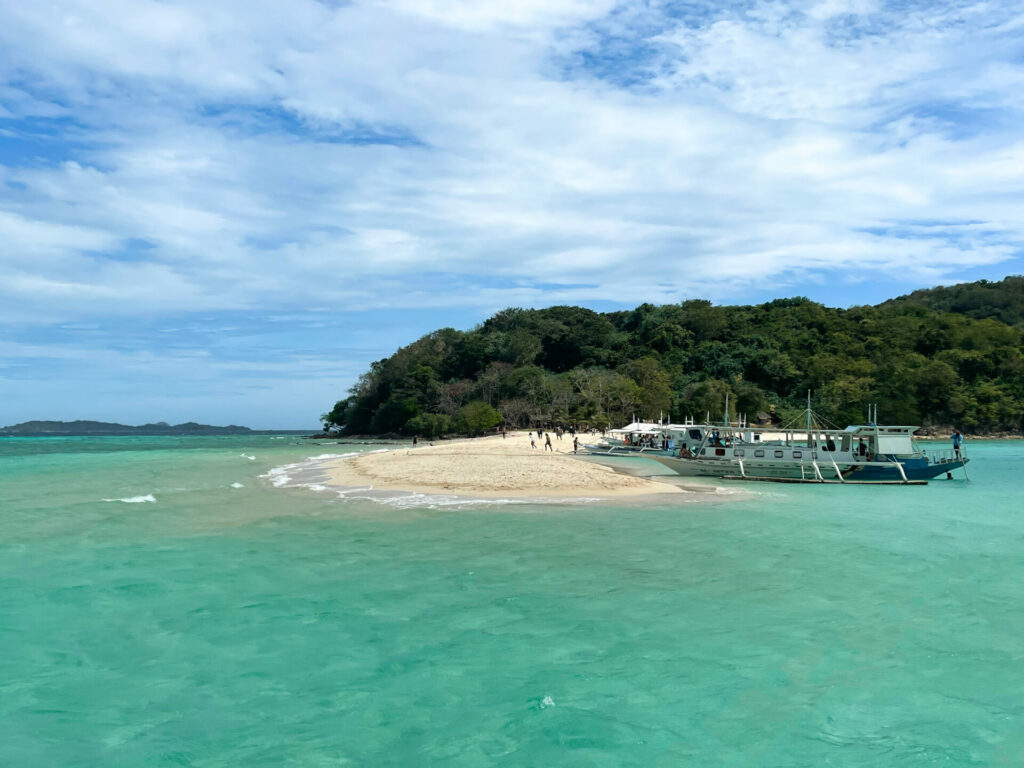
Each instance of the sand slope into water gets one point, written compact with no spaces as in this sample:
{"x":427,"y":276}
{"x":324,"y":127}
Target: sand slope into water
{"x":490,"y":466}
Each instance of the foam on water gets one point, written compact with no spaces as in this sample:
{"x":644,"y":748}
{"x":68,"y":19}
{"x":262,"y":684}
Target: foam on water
{"x":283,"y":476}
{"x":148,"y":498}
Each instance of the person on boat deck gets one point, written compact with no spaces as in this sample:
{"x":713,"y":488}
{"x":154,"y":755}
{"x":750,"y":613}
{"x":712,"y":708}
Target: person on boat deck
{"x":830,"y":444}
{"x":861,"y":448}
{"x":957,"y":438}
{"x":715,"y":438}
{"x":684,"y":452}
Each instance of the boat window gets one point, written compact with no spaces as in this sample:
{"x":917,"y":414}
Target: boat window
{"x":695,"y":434}
{"x":778,"y":454}
{"x":738,"y":452}
{"x":759,"y":453}
{"x":719,"y":451}
{"x":797,"y":454}
{"x":845,"y":446}
{"x":897,"y":444}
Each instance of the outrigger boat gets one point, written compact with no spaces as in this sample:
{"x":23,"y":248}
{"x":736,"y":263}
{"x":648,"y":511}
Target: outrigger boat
{"x":634,"y":438}
{"x":863,"y":453}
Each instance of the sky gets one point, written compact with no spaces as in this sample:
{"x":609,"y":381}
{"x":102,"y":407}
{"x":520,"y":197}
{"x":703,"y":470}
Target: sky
{"x":224,"y":211}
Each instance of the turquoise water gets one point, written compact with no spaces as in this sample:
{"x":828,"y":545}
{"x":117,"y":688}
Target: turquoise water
{"x":259,"y":626}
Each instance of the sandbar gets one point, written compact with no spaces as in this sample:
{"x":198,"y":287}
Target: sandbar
{"x":491,"y":467}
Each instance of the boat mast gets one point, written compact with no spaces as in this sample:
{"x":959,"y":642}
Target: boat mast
{"x":810,"y":440}
{"x":725,"y":417}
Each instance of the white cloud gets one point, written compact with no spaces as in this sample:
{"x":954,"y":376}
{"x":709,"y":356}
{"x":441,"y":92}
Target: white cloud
{"x":185,"y":157}
{"x":482,"y":15}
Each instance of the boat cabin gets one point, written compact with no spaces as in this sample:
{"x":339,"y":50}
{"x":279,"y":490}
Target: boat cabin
{"x":867,"y":440}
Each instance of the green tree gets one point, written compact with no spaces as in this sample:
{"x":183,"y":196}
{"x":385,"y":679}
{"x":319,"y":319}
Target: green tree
{"x":707,"y":398}
{"x":477,"y":417}
{"x":655,"y":393}
{"x":393,"y":414}
{"x":429,"y":425}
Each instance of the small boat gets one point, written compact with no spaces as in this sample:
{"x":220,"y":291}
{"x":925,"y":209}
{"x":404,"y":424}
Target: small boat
{"x":638,"y":437}
{"x":863,"y":453}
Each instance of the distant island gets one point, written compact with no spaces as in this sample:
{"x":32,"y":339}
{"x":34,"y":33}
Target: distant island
{"x":76,"y":428}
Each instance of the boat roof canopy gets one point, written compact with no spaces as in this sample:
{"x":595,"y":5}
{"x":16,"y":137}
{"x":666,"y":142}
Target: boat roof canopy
{"x":871,"y":429}
{"x":638,"y":426}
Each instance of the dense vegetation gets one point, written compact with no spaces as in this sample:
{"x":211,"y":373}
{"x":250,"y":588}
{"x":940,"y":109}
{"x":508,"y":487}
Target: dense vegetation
{"x":950,"y":356}
{"x":984,"y":299}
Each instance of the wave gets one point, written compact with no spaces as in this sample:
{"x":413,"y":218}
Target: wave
{"x":281,"y":477}
{"x":148,"y":498}
{"x":237,"y":485}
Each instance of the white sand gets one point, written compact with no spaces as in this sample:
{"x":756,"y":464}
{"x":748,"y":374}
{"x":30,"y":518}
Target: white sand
{"x":490,"y":467}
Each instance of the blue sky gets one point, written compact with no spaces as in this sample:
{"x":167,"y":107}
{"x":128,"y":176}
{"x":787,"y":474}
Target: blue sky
{"x":225,"y":211}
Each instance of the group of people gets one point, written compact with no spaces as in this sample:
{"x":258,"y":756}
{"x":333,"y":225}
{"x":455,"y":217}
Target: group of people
{"x":547,"y":439}
{"x":640,"y":441}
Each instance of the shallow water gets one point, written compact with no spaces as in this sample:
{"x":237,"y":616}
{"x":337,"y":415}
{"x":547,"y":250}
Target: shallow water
{"x":218,"y":625}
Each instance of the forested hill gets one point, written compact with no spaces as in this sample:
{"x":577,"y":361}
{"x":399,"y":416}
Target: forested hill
{"x":1001,"y":301}
{"x":921,"y":365}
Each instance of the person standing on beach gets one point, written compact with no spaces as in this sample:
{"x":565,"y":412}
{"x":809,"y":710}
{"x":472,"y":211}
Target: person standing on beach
{"x":575,"y":444}
{"x":547,"y":443}
{"x":533,"y":443}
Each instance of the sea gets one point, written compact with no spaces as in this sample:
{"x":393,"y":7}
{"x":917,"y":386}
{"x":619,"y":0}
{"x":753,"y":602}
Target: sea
{"x":190,"y":601}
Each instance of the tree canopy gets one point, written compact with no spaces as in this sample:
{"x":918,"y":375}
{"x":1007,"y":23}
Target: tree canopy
{"x":947,"y":356}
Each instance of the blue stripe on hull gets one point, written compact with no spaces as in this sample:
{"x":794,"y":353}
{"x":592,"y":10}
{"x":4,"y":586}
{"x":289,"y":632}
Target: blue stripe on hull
{"x":915,"y":469}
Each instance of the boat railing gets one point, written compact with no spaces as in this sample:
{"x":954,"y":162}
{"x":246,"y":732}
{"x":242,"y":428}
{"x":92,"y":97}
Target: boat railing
{"x":945,"y":457}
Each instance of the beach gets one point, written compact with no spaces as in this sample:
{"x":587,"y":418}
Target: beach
{"x":493,"y":467}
